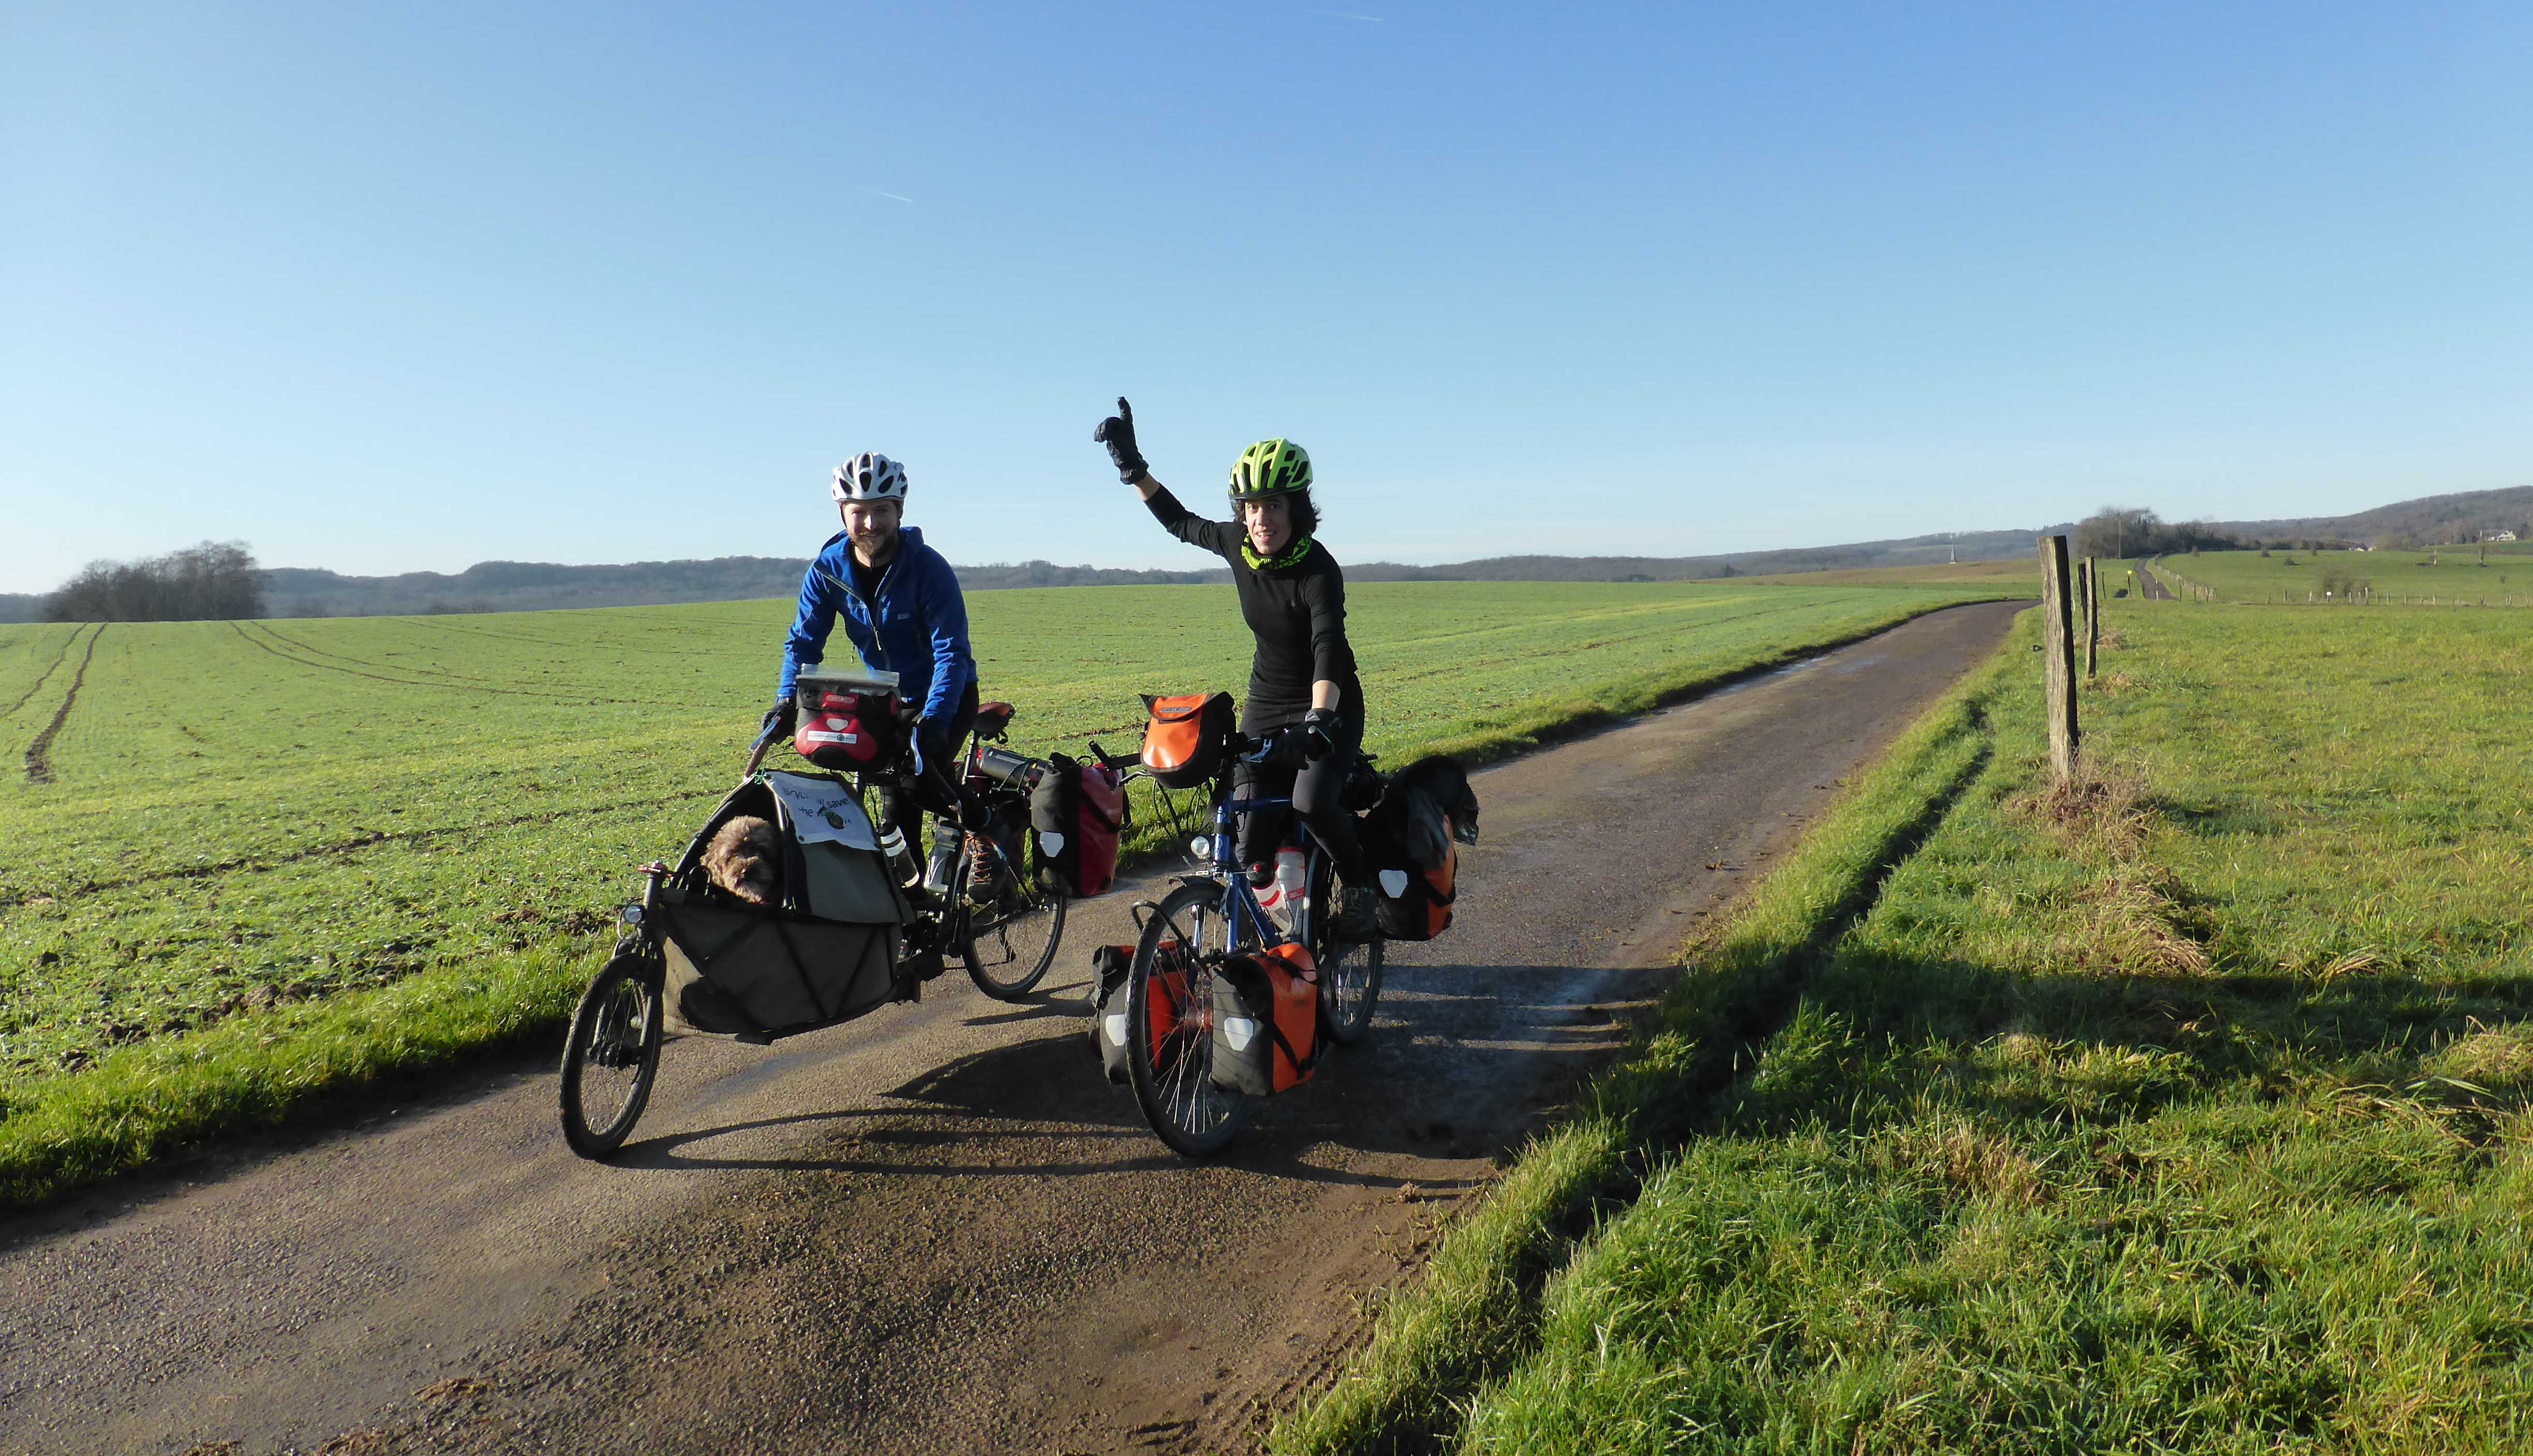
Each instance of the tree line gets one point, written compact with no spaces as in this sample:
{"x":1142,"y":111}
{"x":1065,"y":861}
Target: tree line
{"x":215,"y":581}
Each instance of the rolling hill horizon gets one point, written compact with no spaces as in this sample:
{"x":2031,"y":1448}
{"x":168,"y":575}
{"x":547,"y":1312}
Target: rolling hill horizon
{"x":531,"y":586}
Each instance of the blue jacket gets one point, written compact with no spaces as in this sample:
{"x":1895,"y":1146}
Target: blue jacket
{"x":923,"y":622}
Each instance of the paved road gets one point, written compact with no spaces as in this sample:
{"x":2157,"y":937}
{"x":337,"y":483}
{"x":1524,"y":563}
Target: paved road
{"x":936,"y":1229}
{"x":2150,"y":586}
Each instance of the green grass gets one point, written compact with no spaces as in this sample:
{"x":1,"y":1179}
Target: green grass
{"x":2445,"y":575}
{"x":1476,"y":1311}
{"x":2185,"y":1113}
{"x":249,"y":820}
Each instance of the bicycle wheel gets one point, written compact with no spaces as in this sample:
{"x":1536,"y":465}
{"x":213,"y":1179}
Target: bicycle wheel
{"x":1010,"y":940}
{"x":1169,"y":1022}
{"x":1349,"y":971}
{"x":612,"y":1055}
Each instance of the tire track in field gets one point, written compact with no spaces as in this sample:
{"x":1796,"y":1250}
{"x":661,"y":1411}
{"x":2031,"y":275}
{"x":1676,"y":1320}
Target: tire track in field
{"x":454,"y":679}
{"x":39,"y":754}
{"x":260,"y":863}
{"x":47,"y":675}
{"x":446,"y":687}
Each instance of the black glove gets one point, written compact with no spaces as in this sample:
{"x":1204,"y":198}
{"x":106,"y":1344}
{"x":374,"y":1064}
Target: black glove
{"x":1117,"y":433}
{"x":933,"y":743}
{"x":1321,"y":728}
{"x":780,"y":719}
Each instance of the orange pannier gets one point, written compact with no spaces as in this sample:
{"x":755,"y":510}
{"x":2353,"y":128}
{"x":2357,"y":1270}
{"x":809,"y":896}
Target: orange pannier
{"x":1188,"y":740}
{"x":1265,"y":1020}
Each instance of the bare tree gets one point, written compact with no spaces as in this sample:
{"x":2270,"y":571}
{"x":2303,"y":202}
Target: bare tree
{"x":215,"y":581}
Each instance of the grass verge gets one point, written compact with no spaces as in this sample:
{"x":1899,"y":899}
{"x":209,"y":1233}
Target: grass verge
{"x":1475,"y":1313}
{"x":2187,"y":1108}
{"x":273,"y":1067}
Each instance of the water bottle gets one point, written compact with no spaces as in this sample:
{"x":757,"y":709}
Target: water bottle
{"x":892,"y":848}
{"x":1292,"y":889}
{"x":946,"y":837}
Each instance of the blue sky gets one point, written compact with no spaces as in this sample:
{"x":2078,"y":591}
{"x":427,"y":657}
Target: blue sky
{"x":385,"y":289}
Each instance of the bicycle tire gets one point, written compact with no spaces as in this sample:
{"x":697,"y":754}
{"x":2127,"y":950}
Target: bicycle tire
{"x":1030,"y":899}
{"x":628,"y":988}
{"x":1172,"y":1081}
{"x":1349,"y":971}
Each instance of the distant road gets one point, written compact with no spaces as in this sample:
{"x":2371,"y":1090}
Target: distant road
{"x":937,"y":1228}
{"x":2150,"y":588}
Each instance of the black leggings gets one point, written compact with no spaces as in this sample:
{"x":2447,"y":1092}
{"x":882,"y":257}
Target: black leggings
{"x":1316,"y":791}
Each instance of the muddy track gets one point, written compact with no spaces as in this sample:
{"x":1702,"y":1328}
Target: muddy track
{"x":45,"y":676}
{"x":937,"y":1228}
{"x":39,"y":754}
{"x":446,"y":687}
{"x":257,"y":863}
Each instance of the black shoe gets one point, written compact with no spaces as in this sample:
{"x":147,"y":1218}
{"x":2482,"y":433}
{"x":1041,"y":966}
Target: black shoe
{"x":1356,"y":918}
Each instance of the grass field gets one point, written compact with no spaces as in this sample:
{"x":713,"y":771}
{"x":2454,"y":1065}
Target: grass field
{"x":2185,"y":1113}
{"x":2447,"y":576}
{"x":2018,"y":576}
{"x":232,"y":837}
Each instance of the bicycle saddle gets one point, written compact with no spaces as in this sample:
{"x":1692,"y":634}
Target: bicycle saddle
{"x":993,"y":720}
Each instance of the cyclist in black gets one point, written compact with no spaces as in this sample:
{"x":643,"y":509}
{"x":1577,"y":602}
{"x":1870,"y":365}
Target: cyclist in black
{"x":1292,"y":595}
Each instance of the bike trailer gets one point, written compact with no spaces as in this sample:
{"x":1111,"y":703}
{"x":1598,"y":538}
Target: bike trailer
{"x":825,"y":952}
{"x":1078,"y":809}
{"x":1265,"y":1021}
{"x":1187,"y":739}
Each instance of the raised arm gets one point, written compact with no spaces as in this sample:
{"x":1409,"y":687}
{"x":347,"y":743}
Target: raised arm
{"x":1117,"y":433}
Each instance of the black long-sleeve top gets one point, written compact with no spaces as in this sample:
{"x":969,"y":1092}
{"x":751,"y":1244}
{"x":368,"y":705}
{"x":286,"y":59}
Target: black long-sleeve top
{"x":1296,"y":614}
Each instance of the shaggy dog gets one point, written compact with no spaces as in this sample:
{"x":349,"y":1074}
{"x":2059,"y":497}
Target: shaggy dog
{"x":1427,"y":805}
{"x":1442,"y":783}
{"x":746,"y":858}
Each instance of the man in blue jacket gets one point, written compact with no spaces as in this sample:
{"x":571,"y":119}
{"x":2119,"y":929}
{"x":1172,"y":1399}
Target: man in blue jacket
{"x":900,"y":606}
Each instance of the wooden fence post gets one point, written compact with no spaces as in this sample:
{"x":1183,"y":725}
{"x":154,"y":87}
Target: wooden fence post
{"x":2058,"y":655}
{"x":2093,"y":613}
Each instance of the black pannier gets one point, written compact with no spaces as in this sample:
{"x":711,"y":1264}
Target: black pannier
{"x":1411,"y":840}
{"x":1078,"y":809}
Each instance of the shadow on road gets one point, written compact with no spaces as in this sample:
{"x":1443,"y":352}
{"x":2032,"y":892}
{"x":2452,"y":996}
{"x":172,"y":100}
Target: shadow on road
{"x":1042,"y":1108}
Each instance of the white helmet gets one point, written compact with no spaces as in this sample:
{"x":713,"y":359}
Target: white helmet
{"x":870,"y":476}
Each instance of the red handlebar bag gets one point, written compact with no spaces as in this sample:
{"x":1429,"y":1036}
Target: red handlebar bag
{"x":1187,"y":739}
{"x":848,"y":731}
{"x":1265,"y":1021}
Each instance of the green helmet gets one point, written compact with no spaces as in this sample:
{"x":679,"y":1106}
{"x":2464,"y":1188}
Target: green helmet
{"x":1271,"y":467}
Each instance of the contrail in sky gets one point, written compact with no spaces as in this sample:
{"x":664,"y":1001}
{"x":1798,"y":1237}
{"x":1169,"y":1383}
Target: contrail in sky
{"x":875,"y":191}
{"x":1347,"y":14}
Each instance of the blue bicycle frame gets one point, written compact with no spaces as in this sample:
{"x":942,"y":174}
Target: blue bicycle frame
{"x":1240,"y":906}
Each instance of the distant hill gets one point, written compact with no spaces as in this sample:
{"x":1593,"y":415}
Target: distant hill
{"x":533,"y":586}
{"x":2431,"y":520}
